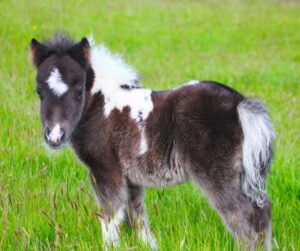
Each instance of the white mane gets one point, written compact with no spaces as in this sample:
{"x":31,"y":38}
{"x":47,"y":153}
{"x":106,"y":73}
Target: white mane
{"x":110,"y":70}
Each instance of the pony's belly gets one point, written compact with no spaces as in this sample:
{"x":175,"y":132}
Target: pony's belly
{"x":156,"y":176}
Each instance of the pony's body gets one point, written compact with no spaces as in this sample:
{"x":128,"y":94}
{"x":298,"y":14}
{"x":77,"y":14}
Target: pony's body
{"x":153,"y":152}
{"x":130,"y":138}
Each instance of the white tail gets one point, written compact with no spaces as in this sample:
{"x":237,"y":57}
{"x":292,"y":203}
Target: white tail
{"x":257,"y":148}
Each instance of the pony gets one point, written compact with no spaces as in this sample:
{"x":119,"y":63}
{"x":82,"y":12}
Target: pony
{"x":131,"y":138}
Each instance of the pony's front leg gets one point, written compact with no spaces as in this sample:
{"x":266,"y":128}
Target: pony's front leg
{"x":137,"y":217}
{"x":111,"y":196}
{"x":110,"y":228}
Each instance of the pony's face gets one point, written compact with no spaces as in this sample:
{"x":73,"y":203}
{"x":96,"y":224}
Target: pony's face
{"x":61,"y":86}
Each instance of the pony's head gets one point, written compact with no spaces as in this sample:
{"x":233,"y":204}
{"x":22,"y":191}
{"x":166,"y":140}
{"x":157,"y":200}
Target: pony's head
{"x":61,"y":84}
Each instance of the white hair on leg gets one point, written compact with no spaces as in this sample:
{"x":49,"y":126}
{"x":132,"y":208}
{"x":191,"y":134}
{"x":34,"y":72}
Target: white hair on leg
{"x":110,"y":228}
{"x":146,"y":236}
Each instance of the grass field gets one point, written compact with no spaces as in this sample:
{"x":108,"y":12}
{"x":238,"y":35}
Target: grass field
{"x":254,"y":46}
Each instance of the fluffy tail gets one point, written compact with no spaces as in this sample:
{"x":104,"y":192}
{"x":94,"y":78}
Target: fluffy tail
{"x":257,"y":148}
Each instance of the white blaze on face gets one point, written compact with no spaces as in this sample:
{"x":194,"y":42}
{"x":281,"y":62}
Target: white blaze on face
{"x":56,"y":84}
{"x":55,"y":134}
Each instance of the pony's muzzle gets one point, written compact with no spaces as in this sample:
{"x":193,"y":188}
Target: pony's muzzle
{"x":54,"y":137}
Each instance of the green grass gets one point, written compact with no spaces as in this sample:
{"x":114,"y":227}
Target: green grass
{"x":254,"y":46}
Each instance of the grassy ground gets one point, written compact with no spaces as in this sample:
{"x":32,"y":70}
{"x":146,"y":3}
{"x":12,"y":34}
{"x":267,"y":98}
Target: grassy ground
{"x":254,"y":46}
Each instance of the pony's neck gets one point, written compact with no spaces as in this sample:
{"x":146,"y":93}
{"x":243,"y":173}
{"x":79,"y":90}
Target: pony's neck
{"x":92,"y":117}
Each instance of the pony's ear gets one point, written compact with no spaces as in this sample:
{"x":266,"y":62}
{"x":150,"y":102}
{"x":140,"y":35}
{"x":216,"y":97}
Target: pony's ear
{"x":81,"y":52}
{"x":38,"y":51}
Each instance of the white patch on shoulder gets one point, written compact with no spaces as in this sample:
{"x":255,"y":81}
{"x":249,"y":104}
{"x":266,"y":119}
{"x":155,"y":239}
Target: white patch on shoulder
{"x":120,"y":86}
{"x":56,"y":84}
{"x":140,"y":103}
{"x":138,"y":100}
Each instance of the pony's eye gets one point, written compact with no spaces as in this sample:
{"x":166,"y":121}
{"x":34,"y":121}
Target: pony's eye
{"x":79,"y":93}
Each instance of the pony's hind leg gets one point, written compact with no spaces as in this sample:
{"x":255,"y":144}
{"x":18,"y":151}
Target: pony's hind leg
{"x":248,"y":223}
{"x":137,"y":217}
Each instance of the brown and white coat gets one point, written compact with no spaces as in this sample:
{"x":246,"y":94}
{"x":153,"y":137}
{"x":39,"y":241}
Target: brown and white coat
{"x":131,"y":138}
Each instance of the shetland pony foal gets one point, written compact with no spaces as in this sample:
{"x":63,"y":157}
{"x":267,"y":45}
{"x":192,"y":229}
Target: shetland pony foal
{"x":131,"y":138}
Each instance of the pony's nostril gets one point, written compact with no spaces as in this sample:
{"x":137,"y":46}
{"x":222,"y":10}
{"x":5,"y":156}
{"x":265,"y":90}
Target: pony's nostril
{"x":47,"y":133}
{"x":62,"y":134}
